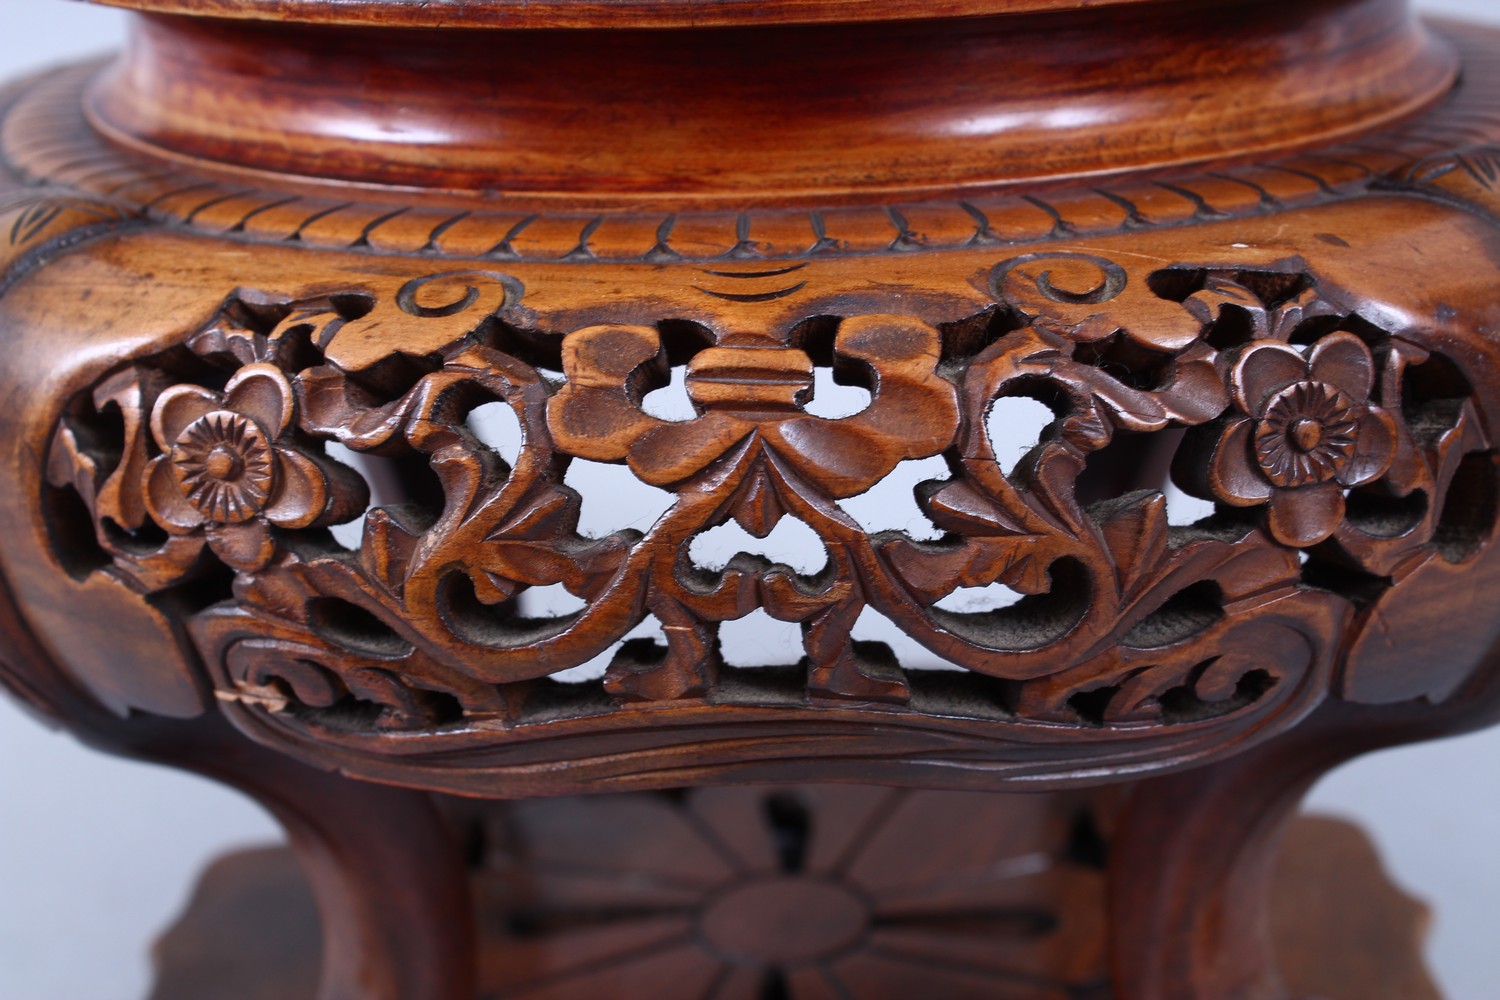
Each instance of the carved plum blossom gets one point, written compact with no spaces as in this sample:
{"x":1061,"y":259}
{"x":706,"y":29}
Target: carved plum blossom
{"x":224,"y":465}
{"x":1305,"y":431}
{"x":230,"y":469}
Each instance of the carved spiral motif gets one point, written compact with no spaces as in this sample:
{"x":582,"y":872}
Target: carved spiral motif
{"x":1075,"y":279}
{"x":439,"y":296}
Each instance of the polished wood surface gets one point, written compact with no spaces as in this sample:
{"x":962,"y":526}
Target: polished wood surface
{"x":403,"y":419}
{"x":1331,"y":904}
{"x":609,"y":13}
{"x":1343,"y":932}
{"x":846,"y":113}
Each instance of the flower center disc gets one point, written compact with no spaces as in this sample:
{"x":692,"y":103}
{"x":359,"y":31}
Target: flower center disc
{"x":222,"y":463}
{"x":1306,"y":434}
{"x":783,"y":921}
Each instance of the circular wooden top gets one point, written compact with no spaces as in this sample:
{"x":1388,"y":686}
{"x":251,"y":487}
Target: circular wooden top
{"x":754,"y":116}
{"x":601,"y":13}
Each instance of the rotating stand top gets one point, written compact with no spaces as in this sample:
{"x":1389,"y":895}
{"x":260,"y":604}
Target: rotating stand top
{"x":756,"y":112}
{"x":608,"y":13}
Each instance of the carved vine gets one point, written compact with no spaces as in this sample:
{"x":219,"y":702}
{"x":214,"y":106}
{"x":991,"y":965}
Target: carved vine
{"x":1327,"y":444}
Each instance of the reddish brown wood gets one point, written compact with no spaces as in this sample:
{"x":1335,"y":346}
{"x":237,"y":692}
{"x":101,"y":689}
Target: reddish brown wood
{"x":598,"y":13}
{"x":267,"y":275}
{"x":251,"y":913}
{"x":1329,"y":876}
{"x":1191,"y":905}
{"x":813,"y":115}
{"x":1342,"y":930}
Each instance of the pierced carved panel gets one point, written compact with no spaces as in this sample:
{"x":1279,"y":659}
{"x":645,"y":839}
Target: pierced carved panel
{"x":1058,"y":603}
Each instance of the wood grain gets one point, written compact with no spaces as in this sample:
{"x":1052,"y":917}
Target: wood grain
{"x":895,"y":112}
{"x":1343,"y":930}
{"x":388,"y":404}
{"x":452,"y":14}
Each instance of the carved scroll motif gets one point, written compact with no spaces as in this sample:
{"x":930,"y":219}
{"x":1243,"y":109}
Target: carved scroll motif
{"x":1326,"y":444}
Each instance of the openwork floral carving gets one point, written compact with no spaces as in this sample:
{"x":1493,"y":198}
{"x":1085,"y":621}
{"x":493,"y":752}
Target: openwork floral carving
{"x":1304,"y":430}
{"x":228,"y":468}
{"x":1134,"y":633}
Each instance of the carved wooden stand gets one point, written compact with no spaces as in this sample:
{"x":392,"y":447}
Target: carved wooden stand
{"x":338,"y":329}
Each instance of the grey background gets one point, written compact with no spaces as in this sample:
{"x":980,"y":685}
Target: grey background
{"x":98,"y":854}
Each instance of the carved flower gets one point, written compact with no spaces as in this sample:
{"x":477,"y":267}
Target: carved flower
{"x":757,"y":392}
{"x":1306,"y":431}
{"x":228,"y":468}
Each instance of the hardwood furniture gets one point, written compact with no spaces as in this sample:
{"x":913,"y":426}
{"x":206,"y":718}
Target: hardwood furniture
{"x":472,"y":277}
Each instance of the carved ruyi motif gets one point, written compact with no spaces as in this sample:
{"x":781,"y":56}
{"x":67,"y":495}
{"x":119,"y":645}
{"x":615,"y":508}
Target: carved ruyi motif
{"x":1327,"y":443}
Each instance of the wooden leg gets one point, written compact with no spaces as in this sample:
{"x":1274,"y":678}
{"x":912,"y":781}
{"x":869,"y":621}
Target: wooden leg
{"x":1195,"y":854}
{"x":1189,"y":900}
{"x":390,"y":883}
{"x":1343,"y":929}
{"x":389,"y":880}
{"x":249,"y":932}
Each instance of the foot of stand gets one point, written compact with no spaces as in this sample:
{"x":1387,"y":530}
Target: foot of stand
{"x":1343,"y":930}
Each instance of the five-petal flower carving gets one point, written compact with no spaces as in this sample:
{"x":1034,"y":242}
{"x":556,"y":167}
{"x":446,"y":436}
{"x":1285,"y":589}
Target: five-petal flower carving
{"x":229,"y":468}
{"x":1306,"y":430}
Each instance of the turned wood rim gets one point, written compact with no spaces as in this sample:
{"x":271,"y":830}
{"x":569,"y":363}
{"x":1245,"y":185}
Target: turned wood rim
{"x":460,"y":14}
{"x":46,"y":147}
{"x":766,"y":116}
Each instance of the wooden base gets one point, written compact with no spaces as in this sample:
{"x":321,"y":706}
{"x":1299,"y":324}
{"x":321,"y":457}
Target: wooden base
{"x":1343,"y":930}
{"x":250,"y":932}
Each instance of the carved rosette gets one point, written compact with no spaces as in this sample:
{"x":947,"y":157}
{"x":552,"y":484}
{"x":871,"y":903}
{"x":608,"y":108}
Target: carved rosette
{"x":1138,"y":637}
{"x":227,"y":469}
{"x":1304,"y":431}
